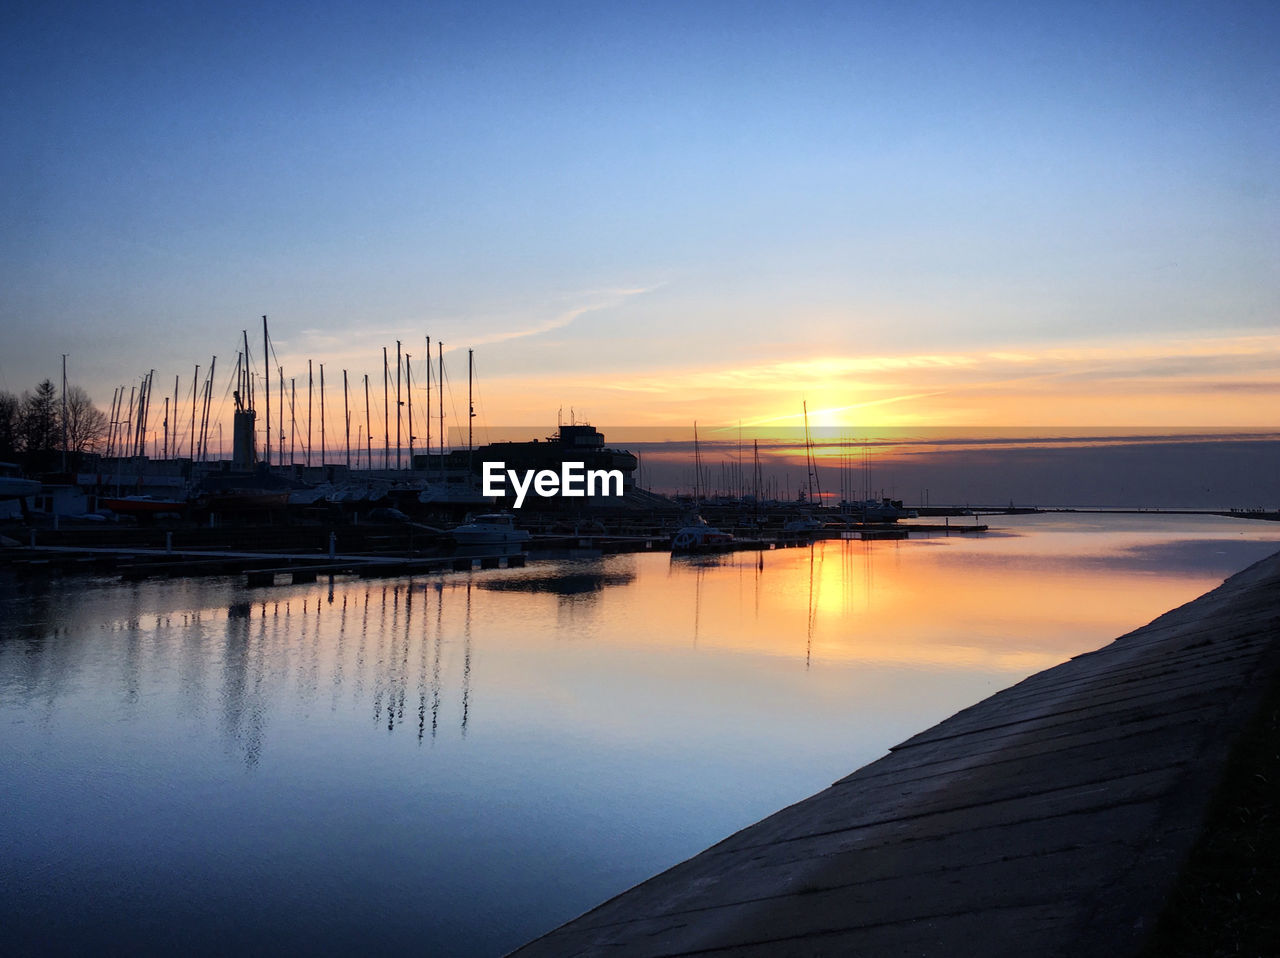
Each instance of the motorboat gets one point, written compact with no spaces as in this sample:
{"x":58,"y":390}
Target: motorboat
{"x":699,"y":536}
{"x":142,"y":505}
{"x":803,"y":526}
{"x":490,"y":529}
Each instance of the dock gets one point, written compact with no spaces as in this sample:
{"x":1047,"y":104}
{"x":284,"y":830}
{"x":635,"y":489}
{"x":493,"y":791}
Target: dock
{"x":1050,"y":819}
{"x":259,"y":568}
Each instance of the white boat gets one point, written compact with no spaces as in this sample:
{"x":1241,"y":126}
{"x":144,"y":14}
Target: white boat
{"x":699,"y":536}
{"x":13,"y":486}
{"x":491,"y":529}
{"x":884,"y":510}
{"x":805,"y":525}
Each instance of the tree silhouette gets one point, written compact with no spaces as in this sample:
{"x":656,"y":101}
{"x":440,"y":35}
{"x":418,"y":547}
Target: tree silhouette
{"x":8,"y":426}
{"x":86,"y":423}
{"x":38,"y":427}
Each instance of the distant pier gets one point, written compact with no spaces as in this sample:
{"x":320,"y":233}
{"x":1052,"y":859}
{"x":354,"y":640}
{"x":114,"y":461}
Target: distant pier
{"x":1050,"y":819}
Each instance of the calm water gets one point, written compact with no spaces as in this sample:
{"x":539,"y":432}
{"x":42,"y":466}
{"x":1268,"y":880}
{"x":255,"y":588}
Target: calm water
{"x":457,"y":763}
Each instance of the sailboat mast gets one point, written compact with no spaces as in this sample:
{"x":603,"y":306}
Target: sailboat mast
{"x":408,"y":392}
{"x":280,"y":431}
{"x":368,"y":428}
{"x":427,"y":445}
{"x":293,"y":419}
{"x":174,"y":428}
{"x":323,"y":447}
{"x":204,"y":418}
{"x":471,"y":406}
{"x":399,"y":403}
{"x":248,"y":378}
{"x":346,"y":416}
{"x":309,"y":386}
{"x":266,"y":373}
{"x":386,"y":412}
{"x":195,"y":387}
{"x":440,"y":386}
{"x":151,"y":378}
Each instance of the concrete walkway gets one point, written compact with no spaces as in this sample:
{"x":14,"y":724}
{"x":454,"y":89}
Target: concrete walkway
{"x":1049,"y":819}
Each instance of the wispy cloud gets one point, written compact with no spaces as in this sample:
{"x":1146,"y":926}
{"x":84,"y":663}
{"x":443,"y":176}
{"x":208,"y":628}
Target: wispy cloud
{"x":601,"y":299}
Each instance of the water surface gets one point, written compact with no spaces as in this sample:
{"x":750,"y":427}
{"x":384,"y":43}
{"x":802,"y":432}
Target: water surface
{"x":457,"y":763}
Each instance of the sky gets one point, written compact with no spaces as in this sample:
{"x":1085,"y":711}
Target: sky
{"x":984,"y":214}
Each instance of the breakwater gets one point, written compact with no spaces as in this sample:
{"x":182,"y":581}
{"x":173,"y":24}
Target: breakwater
{"x":1048,"y":819}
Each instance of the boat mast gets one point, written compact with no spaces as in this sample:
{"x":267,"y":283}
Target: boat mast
{"x":471,"y":409}
{"x":408,"y":392}
{"x":811,"y":461}
{"x":440,"y":386}
{"x":195,"y":386}
{"x":111,"y":421}
{"x":293,"y":419}
{"x":386,"y":412}
{"x":368,"y":429}
{"x":126,"y":433}
{"x":697,"y":466}
{"x":755,"y":477}
{"x":175,"y":417}
{"x":427,"y":444}
{"x":399,"y":403}
{"x":204,"y":416}
{"x":346,"y":417}
{"x":280,"y":432}
{"x":323,"y":447}
{"x":309,"y":408}
{"x":266,"y":373}
{"x":248,"y":378}
{"x":142,"y":448}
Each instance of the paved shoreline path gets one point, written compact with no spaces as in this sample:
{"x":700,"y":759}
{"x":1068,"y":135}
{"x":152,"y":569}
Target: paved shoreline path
{"x":1048,"y":819}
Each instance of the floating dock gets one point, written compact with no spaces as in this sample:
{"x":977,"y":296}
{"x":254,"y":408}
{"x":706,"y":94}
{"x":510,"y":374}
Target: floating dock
{"x":1051,"y":819}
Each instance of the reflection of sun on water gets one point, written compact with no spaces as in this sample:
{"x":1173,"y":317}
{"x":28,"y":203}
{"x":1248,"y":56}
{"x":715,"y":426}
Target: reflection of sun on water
{"x":910,"y":603}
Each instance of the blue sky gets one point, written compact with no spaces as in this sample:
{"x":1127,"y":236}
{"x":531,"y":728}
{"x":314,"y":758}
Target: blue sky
{"x":595,"y":192}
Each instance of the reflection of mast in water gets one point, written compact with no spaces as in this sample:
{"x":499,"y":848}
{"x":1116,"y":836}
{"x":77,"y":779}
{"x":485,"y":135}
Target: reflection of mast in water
{"x":242,"y":708}
{"x":341,"y":658}
{"x":360,"y":649}
{"x":698,"y":572}
{"x":422,"y":675}
{"x":385,"y":635}
{"x":759,"y":564}
{"x":402,"y":680}
{"x":466,"y":662}
{"x":435,"y":659}
{"x":815,"y":601}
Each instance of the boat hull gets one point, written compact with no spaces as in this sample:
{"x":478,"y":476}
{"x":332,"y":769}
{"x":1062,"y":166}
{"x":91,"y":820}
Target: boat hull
{"x":143,"y":507}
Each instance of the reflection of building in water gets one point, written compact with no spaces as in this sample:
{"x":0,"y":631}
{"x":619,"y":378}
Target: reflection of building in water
{"x":242,"y":697}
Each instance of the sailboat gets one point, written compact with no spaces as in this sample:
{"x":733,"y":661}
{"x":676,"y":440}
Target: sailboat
{"x":697,"y":535}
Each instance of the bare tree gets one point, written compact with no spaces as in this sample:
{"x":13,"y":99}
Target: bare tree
{"x":86,"y":423}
